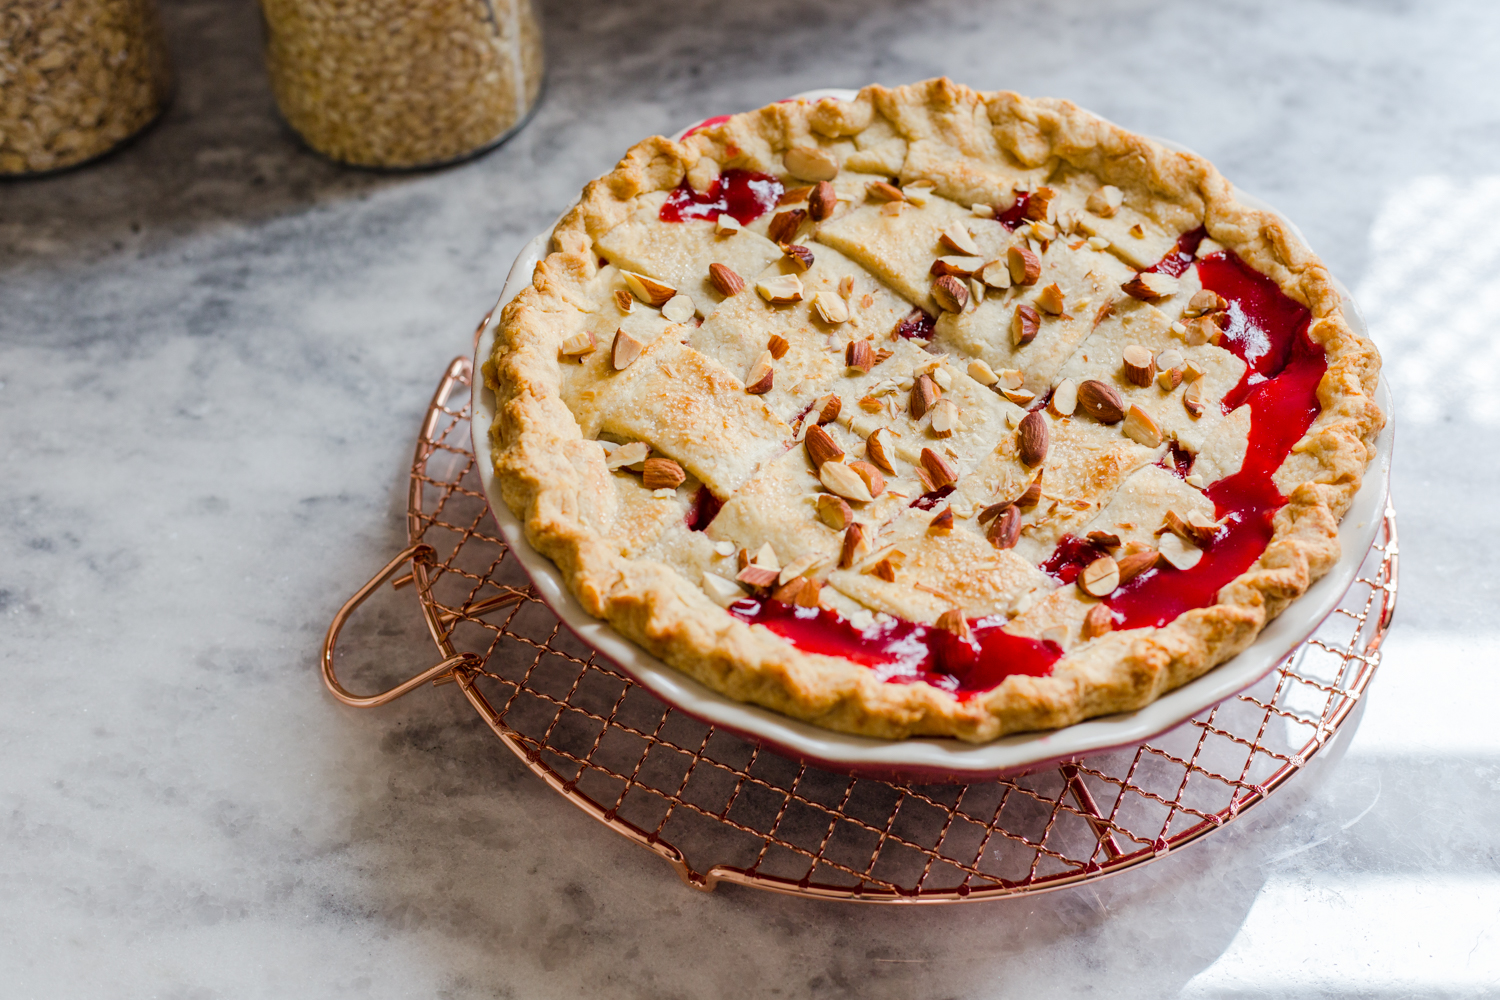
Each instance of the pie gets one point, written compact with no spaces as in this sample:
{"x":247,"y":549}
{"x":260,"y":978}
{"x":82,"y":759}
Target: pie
{"x":932,"y":412}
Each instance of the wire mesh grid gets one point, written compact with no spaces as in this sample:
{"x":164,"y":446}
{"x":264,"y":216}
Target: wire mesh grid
{"x":719,"y":808}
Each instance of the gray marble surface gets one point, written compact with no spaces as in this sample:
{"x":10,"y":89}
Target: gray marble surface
{"x":214,"y":350}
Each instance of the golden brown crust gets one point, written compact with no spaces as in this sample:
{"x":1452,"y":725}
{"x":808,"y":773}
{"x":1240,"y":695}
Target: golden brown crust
{"x":971,"y":146}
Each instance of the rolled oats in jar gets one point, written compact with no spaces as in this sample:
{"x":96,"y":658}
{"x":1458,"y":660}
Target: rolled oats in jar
{"x":77,"y":78}
{"x":403,"y":83}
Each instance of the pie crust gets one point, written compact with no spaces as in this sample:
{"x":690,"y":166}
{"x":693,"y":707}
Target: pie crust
{"x":628,"y":553}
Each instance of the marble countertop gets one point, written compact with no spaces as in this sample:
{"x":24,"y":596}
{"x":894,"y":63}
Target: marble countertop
{"x":214,"y":351}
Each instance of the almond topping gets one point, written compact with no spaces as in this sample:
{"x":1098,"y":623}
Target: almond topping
{"x":1010,"y":378}
{"x":1170,"y":369}
{"x":884,"y":569}
{"x":945,"y":418}
{"x":828,"y":408}
{"x":943,"y":521}
{"x":1138,"y":231}
{"x":627,"y":455}
{"x":679,"y":308}
{"x":924,"y":393}
{"x":723,"y":592}
{"x":821,"y":447}
{"x":793,"y":195}
{"x":1202,"y":330}
{"x":1141,"y":428}
{"x":939,"y":469}
{"x":958,"y":267}
{"x":578,"y":345}
{"x":758,"y":382}
{"x":1039,"y":204}
{"x":881,"y":191}
{"x":1191,"y":372}
{"x":854,"y":545}
{"x":757,"y":576}
{"x":952,"y":621}
{"x":1101,"y":401}
{"x":1024,"y":325}
{"x":875,"y":447}
{"x":950,"y":294}
{"x":1192,"y":399}
{"x":800,"y":256}
{"x":784,"y":225}
{"x":1150,"y":286}
{"x":1005,"y":531}
{"x":956,"y":238}
{"x":1032,"y":495}
{"x":727,"y":225}
{"x":846,"y":286}
{"x":648,"y":290}
{"x":1100,"y":577}
{"x":1051,"y":300}
{"x":859,"y":354}
{"x":1025,"y":266}
{"x":822,"y":201}
{"x":1140,"y":368}
{"x":624,"y":350}
{"x":766,"y":558}
{"x":780,"y":289}
{"x":799,"y":590}
{"x":1204,"y":302}
{"x":996,"y":274}
{"x":1032,"y":437}
{"x":844,"y":481}
{"x":725,"y":280}
{"x":874,"y":481}
{"x":624,"y":301}
{"x":982,"y":373}
{"x":1105,"y":201}
{"x":1021,"y":397}
{"x":1136,"y":563}
{"x":778,"y":346}
{"x":831,"y":308}
{"x":662,"y":474}
{"x":809,"y":163}
{"x":1178,"y":553}
{"x":834,"y":511}
{"x":1104,"y":539}
{"x":1064,"y":398}
{"x":1097,"y":622}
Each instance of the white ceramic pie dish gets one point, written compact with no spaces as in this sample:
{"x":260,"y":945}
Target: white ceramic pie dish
{"x":940,"y":759}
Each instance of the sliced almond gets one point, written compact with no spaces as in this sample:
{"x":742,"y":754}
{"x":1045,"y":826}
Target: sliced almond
{"x":885,"y":570}
{"x":956,"y":237}
{"x":996,"y":274}
{"x":1133,"y":564}
{"x":945,"y":418}
{"x":924,"y":394}
{"x":792,"y":196}
{"x":784,"y":225}
{"x":982,"y":211}
{"x":844,"y":481}
{"x":778,"y":346}
{"x":952,"y":621}
{"x":1104,"y":539}
{"x":854,"y":546}
{"x":1151,"y":286}
{"x":950,"y":293}
{"x":762,"y":374}
{"x":1064,"y":398}
{"x":1141,"y":428}
{"x":1140,"y":367}
{"x":727,"y":225}
{"x":939,"y":470}
{"x":1191,"y":372}
{"x":876,"y":449}
{"x":1039,"y":205}
{"x":1100,"y":577}
{"x":779,"y":289}
{"x":679,"y":308}
{"x":917,"y":193}
{"x":725,"y":280}
{"x":976,"y":291}
{"x":821,"y":447}
{"x":627,"y":455}
{"x":1024,"y":325}
{"x":809,"y":163}
{"x":1010,"y":378}
{"x":799,"y":590}
{"x":1105,"y":201}
{"x":1204,"y":302}
{"x":1032,"y":495}
{"x":943,"y":521}
{"x":827,"y":408}
{"x":1050,"y":300}
{"x":624,"y":350}
{"x":822,"y":201}
{"x":874,"y":481}
{"x":982,"y":373}
{"x":800,"y":256}
{"x":624,"y":301}
{"x":1021,"y":397}
{"x":1170,"y":368}
{"x":578,"y":345}
{"x":1178,"y":553}
{"x":831,"y":308}
{"x":1138,"y":231}
{"x":958,"y":267}
{"x":859,"y":354}
{"x":757,"y":577}
{"x":662,"y":474}
{"x":846,"y":286}
{"x":1005,"y":530}
{"x":881,"y":191}
{"x":1101,"y":401}
{"x":834,"y":511}
{"x":1192,"y":399}
{"x":1032,"y":438}
{"x":766,"y":558}
{"x":1202,"y":330}
{"x":1099,"y":621}
{"x":797,"y":567}
{"x":1025,"y":266}
{"x":648,"y":290}
{"x":723,"y":592}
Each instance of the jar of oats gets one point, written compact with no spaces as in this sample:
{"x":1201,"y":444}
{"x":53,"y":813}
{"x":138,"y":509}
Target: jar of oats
{"x":77,"y":78}
{"x":403,"y":83}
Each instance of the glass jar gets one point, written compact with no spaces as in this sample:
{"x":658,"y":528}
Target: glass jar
{"x":77,"y":78}
{"x":403,"y":83}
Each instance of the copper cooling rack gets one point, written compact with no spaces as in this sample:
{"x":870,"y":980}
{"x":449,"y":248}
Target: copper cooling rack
{"x":718,"y":808}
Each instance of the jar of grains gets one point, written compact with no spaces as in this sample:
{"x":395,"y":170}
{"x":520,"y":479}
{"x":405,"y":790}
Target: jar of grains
{"x":403,"y":83}
{"x":77,"y":78}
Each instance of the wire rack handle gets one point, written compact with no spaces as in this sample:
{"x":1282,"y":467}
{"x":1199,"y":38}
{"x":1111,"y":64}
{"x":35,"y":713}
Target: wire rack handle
{"x":437,"y":673}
